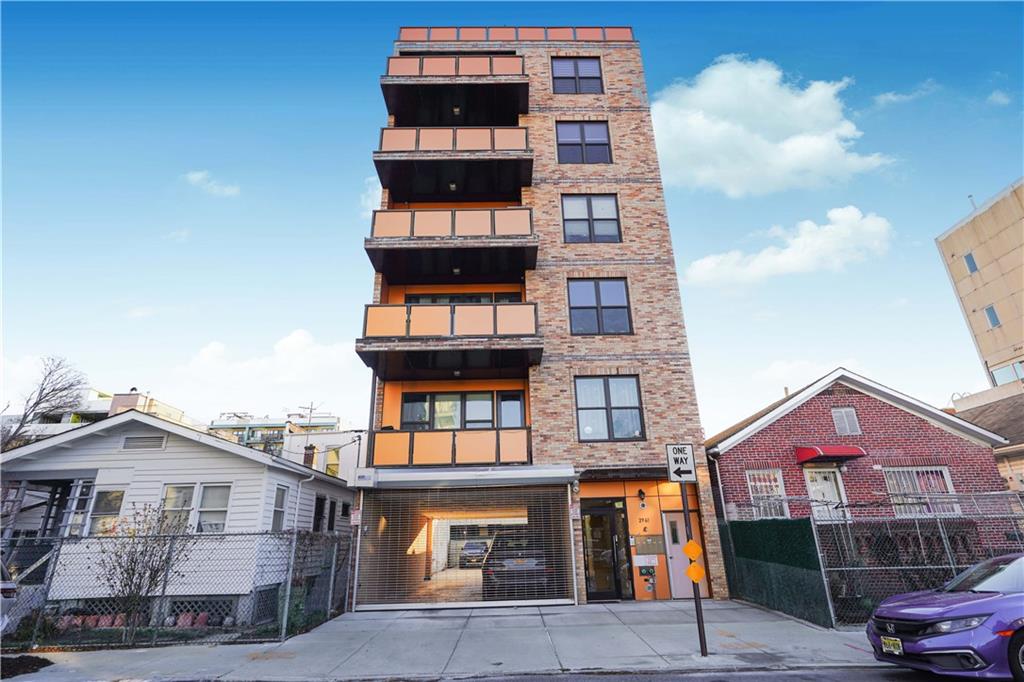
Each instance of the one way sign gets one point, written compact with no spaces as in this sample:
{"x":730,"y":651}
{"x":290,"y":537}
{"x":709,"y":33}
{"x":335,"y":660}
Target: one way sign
{"x":680,"y":463}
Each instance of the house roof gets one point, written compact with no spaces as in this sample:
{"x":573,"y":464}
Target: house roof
{"x":745,"y":428}
{"x":102,"y":426}
{"x":1002,"y":416}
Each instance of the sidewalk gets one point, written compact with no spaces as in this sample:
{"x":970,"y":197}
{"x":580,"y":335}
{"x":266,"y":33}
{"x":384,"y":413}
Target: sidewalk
{"x":629,"y":636}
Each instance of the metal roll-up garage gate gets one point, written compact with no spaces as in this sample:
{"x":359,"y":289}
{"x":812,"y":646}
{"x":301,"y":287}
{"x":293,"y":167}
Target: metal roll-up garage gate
{"x":464,"y":547}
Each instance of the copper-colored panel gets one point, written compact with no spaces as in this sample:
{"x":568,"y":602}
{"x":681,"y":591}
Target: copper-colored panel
{"x":412,"y":33}
{"x":512,"y":221}
{"x":531,"y":33}
{"x":434,"y":139}
{"x":474,"y":66}
{"x":510,"y":138}
{"x":433,"y":224}
{"x":646,"y":521}
{"x":473,"y":139}
{"x":507,"y":66}
{"x":385,"y":320}
{"x":472,"y":223}
{"x":502,"y":33}
{"x":589,"y":34}
{"x":430,"y":320}
{"x":560,"y":33}
{"x":515,"y":448}
{"x":618,"y":33}
{"x":517,"y":319}
{"x":392,"y":223}
{"x":443,"y":33}
{"x":474,"y":320}
{"x":439,"y":66}
{"x":403,"y":66}
{"x":600,"y":488}
{"x":633,"y":488}
{"x":473,"y":33}
{"x":432,"y":447}
{"x":476,"y":447}
{"x":391,"y":448}
{"x":398,"y":140}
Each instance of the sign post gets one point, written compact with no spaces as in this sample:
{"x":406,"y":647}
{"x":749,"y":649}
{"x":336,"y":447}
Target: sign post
{"x":682,"y":470}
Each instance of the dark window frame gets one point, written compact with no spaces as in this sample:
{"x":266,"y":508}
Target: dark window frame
{"x":583,"y":143}
{"x":495,"y":421}
{"x":504,"y":296}
{"x":592,"y":237}
{"x":575,"y":78}
{"x":332,"y":513}
{"x":607,"y":409}
{"x":319,"y":507}
{"x":597,"y":307}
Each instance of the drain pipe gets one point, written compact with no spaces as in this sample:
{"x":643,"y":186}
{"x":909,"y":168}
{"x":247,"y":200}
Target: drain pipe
{"x":291,"y":562}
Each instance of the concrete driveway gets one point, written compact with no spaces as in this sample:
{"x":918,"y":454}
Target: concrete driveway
{"x":629,"y":636}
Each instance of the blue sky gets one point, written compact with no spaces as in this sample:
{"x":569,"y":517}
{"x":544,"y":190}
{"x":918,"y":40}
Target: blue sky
{"x":183,"y":188}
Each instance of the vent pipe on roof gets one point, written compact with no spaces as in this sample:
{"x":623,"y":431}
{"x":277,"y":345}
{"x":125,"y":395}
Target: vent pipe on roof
{"x":785,"y":391}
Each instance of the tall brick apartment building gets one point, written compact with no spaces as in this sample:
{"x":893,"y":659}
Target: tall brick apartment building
{"x":526,"y":334}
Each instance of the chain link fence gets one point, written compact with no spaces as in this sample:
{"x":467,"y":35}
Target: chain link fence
{"x":143,"y":590}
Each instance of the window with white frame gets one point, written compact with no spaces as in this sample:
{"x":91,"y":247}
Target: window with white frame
{"x":767,"y":493}
{"x":920,"y":491}
{"x":213,"y":508}
{"x":177,"y":508}
{"x":845,"y":419}
{"x":106,"y":508}
{"x":280,"y":500}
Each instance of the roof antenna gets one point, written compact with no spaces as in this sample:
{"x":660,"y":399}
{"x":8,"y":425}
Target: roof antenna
{"x":970,"y":197}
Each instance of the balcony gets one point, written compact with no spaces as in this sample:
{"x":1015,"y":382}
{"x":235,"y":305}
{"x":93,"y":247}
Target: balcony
{"x":451,"y":448}
{"x":454,"y":163}
{"x":469,"y":341}
{"x":432,"y":246}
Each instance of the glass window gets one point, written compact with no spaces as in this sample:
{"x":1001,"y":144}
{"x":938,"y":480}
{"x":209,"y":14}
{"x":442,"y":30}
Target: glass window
{"x":576,"y":75}
{"x":333,"y":462}
{"x":106,"y":509}
{"x":332,"y":512}
{"x":318,"y":513}
{"x":583,"y":142}
{"x":456,"y":299}
{"x":512,"y":412}
{"x":608,"y":408}
{"x":213,"y":508}
{"x":992,"y":315}
{"x":972,"y":266}
{"x":280,"y":501}
{"x":415,"y":411}
{"x":1007,"y":373}
{"x":590,"y":218}
{"x":920,"y":491}
{"x":177,"y":508}
{"x":479,"y":411}
{"x":599,"y":306}
{"x":845,"y":420}
{"x":767,"y":493}
{"x":447,"y":411}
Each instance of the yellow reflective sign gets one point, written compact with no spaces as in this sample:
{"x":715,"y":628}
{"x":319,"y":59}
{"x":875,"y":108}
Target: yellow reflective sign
{"x":695,"y":573}
{"x":692,"y":550}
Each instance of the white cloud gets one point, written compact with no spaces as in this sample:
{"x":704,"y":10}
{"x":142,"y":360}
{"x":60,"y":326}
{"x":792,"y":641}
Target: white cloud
{"x":998,"y":98}
{"x":178,"y":235}
{"x":204,"y":181}
{"x":887,"y":98}
{"x":740,"y":127}
{"x":369,"y":200}
{"x":849,"y":236}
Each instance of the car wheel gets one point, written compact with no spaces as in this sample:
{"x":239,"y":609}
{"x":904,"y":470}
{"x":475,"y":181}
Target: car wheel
{"x":1016,"y":655}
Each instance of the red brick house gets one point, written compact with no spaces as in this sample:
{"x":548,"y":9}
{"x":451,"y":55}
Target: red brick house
{"x":861,"y":448}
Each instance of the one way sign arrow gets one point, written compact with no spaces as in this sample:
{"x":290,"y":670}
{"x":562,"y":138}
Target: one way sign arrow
{"x":680,"y":463}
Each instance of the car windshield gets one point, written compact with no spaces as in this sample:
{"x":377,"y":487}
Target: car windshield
{"x":1002,"y":574}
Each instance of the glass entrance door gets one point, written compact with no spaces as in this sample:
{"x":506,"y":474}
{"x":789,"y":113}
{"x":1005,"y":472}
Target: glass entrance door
{"x":606,"y":551}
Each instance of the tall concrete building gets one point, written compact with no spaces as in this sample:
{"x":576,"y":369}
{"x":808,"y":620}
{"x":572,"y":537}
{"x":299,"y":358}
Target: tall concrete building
{"x":526,"y":335}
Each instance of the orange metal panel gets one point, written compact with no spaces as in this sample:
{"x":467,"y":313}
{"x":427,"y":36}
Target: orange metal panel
{"x":442,"y":33}
{"x":515,"y":446}
{"x":589,"y":34}
{"x":508,"y":66}
{"x":433,"y":224}
{"x":476,"y":447}
{"x":436,"y":139}
{"x":432,"y":447}
{"x":472,"y":223}
{"x":517,"y":319}
{"x":391,"y":447}
{"x":560,"y":33}
{"x":398,"y":140}
{"x":512,"y":221}
{"x":473,"y":33}
{"x":429,"y":320}
{"x":385,"y":320}
{"x":473,"y":139}
{"x":403,"y":66}
{"x":439,"y":66}
{"x":531,"y":33}
{"x":474,"y":66}
{"x":618,"y":33}
{"x":412,"y":33}
{"x":645,"y":521}
{"x":601,"y":489}
{"x":502,"y":33}
{"x":650,"y":488}
{"x":474,"y":320}
{"x":392,"y":224}
{"x":510,"y":138}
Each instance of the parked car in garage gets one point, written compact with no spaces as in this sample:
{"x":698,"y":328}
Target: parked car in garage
{"x":516,"y":567}
{"x":472,"y":554}
{"x":971,"y":627}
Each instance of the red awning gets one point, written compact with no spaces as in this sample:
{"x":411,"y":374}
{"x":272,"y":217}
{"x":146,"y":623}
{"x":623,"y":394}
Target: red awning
{"x":818,"y":453}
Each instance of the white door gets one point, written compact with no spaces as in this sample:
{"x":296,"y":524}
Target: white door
{"x":826,"y":486}
{"x":675,"y":538}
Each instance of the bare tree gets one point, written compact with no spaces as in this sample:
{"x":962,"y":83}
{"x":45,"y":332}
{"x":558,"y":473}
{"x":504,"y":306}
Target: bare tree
{"x":59,"y":390}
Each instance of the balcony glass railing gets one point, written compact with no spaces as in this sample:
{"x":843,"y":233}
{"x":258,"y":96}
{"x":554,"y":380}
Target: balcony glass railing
{"x":451,"y":448}
{"x":460,"y":222}
{"x":462,"y":139}
{"x":481,"y":65}
{"x":455,"y":320}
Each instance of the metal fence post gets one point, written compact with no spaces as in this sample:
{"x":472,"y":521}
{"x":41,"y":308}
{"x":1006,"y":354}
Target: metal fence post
{"x":288,"y":586}
{"x":330,"y":585}
{"x":824,"y":576}
{"x":51,"y":570}
{"x":163,"y":590}
{"x":945,"y":545}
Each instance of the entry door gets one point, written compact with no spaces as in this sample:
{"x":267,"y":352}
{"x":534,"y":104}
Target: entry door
{"x":826,"y":486}
{"x":605,"y":545}
{"x":675,"y":538}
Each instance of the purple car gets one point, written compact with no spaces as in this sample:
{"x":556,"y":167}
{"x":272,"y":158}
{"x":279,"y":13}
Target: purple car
{"x":972,"y":627}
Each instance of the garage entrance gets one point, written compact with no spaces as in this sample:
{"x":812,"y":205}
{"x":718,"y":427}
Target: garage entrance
{"x":464,"y":547}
